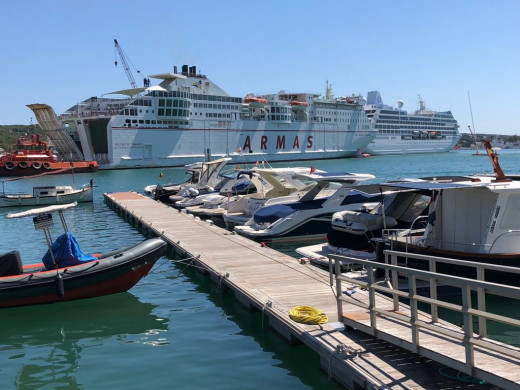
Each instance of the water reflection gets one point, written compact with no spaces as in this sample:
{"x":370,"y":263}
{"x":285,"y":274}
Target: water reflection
{"x":43,"y":344}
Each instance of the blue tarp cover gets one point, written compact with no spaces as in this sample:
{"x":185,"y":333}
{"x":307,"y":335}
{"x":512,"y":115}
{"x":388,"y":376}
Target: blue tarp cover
{"x":66,"y":253}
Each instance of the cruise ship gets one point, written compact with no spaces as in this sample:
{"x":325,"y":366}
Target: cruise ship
{"x":423,"y":131}
{"x":187,"y":118}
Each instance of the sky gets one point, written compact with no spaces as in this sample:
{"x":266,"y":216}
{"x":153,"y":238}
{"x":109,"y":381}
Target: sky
{"x":450,"y":52}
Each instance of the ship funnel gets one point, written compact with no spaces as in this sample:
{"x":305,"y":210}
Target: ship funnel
{"x":400,"y":104}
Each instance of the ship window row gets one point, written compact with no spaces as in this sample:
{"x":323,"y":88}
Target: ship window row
{"x":404,"y":125}
{"x":276,"y":117}
{"x":215,"y":98}
{"x":142,"y":102}
{"x":130,"y":111}
{"x":418,"y":123}
{"x":415,"y":119}
{"x":140,"y":121}
{"x":334,"y":112}
{"x":194,"y":96}
{"x":216,"y":106}
{"x":174,"y":103}
{"x":172,"y":123}
{"x":173,"y":112}
{"x":115,"y":106}
{"x":278,"y":110}
{"x":414,"y":132}
{"x":217,"y":115}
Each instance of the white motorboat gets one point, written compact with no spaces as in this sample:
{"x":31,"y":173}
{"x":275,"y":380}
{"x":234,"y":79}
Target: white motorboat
{"x":47,"y":195}
{"x":276,"y":185}
{"x":309,"y":217}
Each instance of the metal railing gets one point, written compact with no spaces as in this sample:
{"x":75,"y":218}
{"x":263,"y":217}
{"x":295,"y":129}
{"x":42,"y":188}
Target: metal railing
{"x":467,"y":337}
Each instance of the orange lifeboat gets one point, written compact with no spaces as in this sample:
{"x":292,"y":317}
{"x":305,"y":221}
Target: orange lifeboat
{"x":298,"y":106}
{"x":256,"y":102}
{"x":350,"y":101}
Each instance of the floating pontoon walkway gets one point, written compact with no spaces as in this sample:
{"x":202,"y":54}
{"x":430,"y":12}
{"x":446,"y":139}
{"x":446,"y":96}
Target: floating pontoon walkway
{"x":267,"y":280}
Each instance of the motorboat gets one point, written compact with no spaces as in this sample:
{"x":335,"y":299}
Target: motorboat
{"x":206,"y":179}
{"x":162,"y":192}
{"x":273,"y":183}
{"x":231,"y":184}
{"x":47,"y":195}
{"x":214,"y":205}
{"x":65,"y":273}
{"x":31,"y":155}
{"x":355,"y":229}
{"x":309,"y":217}
{"x":355,"y":233}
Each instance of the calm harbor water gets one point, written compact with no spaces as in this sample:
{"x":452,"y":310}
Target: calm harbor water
{"x":174,"y":329}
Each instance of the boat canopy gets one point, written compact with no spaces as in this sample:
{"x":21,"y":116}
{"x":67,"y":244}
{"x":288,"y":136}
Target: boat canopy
{"x":432,"y":186}
{"x":167,"y":76}
{"x":42,"y":210}
{"x":128,"y":92}
{"x":157,"y":88}
{"x":337,"y":177}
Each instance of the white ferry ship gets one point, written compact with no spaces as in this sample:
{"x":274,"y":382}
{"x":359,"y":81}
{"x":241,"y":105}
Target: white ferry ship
{"x":188,"y":118}
{"x":423,"y":131}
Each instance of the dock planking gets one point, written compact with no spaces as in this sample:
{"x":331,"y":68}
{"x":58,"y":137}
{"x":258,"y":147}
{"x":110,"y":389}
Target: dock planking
{"x":267,"y":280}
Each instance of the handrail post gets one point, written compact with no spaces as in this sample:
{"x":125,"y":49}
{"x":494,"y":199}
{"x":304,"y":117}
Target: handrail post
{"x":481,"y":302}
{"x":433,"y":292}
{"x":468,"y":328}
{"x":395,"y":283}
{"x":331,"y":272}
{"x":412,"y":291}
{"x":372,"y":299}
{"x":338,"y":289}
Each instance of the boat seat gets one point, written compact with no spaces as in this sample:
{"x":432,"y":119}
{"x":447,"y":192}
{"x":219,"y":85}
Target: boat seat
{"x":11,"y":264}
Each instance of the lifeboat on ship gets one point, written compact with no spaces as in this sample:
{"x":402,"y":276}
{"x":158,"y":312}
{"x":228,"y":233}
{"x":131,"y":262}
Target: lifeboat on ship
{"x":256,"y":102}
{"x":31,"y":156}
{"x":298,"y":106}
{"x":350,"y":100}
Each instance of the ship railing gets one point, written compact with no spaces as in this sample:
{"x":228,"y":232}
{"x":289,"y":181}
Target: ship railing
{"x":414,"y":235}
{"x":405,"y":302}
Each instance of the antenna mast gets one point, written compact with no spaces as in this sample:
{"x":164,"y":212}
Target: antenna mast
{"x":474,"y":132}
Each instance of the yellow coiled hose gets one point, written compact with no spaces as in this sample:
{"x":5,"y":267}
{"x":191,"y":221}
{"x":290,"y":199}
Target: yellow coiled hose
{"x":308,"y":315}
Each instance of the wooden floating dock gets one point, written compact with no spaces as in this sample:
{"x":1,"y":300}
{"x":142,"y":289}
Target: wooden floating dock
{"x":267,"y":280}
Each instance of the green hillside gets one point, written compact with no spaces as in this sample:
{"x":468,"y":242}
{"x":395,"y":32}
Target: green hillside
{"x":9,"y":134}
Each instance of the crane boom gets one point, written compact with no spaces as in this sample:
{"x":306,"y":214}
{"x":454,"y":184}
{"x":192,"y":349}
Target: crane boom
{"x":125,"y":65}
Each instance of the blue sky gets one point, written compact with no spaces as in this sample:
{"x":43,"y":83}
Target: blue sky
{"x":60,"y":52}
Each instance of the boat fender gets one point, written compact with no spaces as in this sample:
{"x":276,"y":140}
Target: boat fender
{"x":36,"y":165}
{"x":60,"y":289}
{"x":46,"y":165}
{"x":22,"y":164}
{"x":91,"y":166}
{"x":9,"y":165}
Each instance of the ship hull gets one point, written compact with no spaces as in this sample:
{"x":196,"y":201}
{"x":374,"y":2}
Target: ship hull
{"x":131,"y":148}
{"x":48,"y":167}
{"x":394,"y":145}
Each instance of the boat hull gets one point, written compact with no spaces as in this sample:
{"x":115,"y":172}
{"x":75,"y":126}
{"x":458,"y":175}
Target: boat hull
{"x":113,"y":272}
{"x":79,"y":196}
{"x":51,"y":167}
{"x":384,"y":145}
{"x":143,"y":148}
